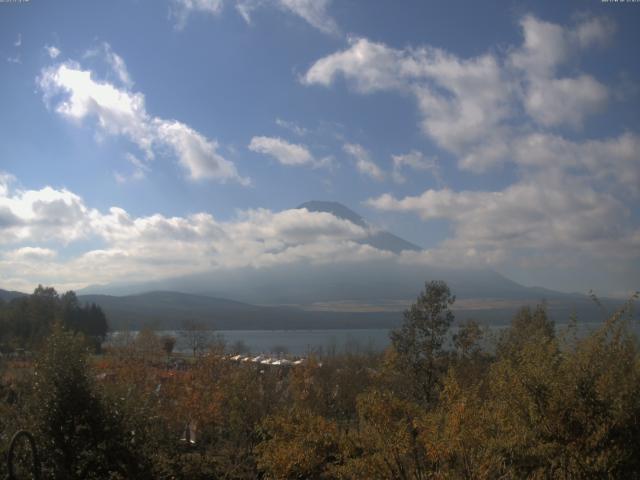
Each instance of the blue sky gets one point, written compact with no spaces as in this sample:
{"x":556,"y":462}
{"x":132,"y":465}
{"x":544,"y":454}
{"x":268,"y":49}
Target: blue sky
{"x":494,"y":134}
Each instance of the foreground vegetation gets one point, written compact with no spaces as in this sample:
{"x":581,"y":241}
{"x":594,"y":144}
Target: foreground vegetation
{"x":539,"y":403}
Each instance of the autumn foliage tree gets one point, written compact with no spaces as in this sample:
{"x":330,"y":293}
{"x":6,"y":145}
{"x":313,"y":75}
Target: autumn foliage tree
{"x":540,"y":402}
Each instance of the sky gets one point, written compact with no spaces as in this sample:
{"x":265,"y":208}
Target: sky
{"x":146,"y":139}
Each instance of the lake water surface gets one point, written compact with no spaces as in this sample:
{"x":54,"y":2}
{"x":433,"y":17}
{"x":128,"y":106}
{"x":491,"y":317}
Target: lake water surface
{"x":303,"y":342}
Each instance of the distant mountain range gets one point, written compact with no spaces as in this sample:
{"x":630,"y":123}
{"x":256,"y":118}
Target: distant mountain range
{"x":167,"y":310}
{"x":306,"y":295}
{"x":7,"y":295}
{"x":171,"y":310}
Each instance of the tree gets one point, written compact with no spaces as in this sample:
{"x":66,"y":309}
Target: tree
{"x":147,"y":346}
{"x":467,"y":339}
{"x":419,"y":340}
{"x":81,"y":437}
{"x":196,"y":335}
{"x":385,"y":443}
{"x":168,"y":343}
{"x":88,"y":319}
{"x":298,"y":444}
{"x":526,"y":325}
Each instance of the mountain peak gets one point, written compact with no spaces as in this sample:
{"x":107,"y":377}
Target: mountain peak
{"x":382,"y":240}
{"x":336,"y":209}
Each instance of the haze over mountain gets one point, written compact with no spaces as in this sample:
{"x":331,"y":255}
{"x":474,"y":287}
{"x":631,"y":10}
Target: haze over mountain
{"x":362,"y":293}
{"x":306,"y":295}
{"x":304,"y":283}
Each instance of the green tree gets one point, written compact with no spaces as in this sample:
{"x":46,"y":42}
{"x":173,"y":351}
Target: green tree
{"x":80,"y":437}
{"x":419,"y":340}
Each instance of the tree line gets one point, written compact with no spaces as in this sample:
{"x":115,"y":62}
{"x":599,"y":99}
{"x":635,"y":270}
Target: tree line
{"x":534,"y":402}
{"x":26,"y":321}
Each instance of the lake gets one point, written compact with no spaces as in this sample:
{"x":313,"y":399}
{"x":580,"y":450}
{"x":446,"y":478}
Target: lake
{"x":303,"y":342}
{"x":294,"y":342}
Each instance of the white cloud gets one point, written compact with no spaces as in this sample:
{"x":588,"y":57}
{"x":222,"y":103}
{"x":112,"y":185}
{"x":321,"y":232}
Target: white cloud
{"x":552,"y":100}
{"x":593,"y":31}
{"x":565,"y":101}
{"x":114,"y":61}
{"x":612,"y":163}
{"x":52,"y":51}
{"x":157,"y":246}
{"x":314,"y":12}
{"x":364,"y":164}
{"x":550,"y":214}
{"x":31,"y":215}
{"x":18,"y":41}
{"x":417,"y":161}
{"x":196,"y":153}
{"x":369,"y":66}
{"x":183,"y":8}
{"x":31,"y":254}
{"x":292,"y":127}
{"x":472,"y":106}
{"x":286,"y":153}
{"x":530,"y":220}
{"x":76,"y":95}
{"x":6,"y":179}
{"x":548,"y":45}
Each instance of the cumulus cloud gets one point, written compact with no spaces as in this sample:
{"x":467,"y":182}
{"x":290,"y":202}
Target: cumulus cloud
{"x":555,"y":213}
{"x":571,"y":196}
{"x":471,"y":106}
{"x":158,"y":246}
{"x":286,"y":153}
{"x":197,"y":154}
{"x":369,"y":66}
{"x":75,"y":94}
{"x":613,"y":163}
{"x":31,"y":215}
{"x":553,"y":100}
{"x":364,"y":164}
{"x":476,"y":98}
